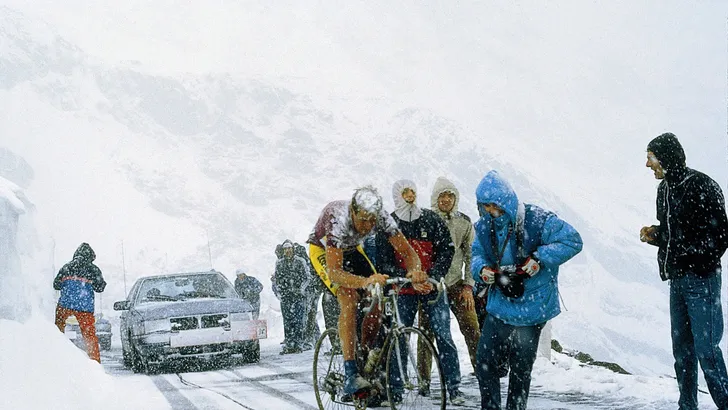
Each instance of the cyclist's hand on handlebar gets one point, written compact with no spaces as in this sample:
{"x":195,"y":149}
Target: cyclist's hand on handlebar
{"x":376,"y":278}
{"x":417,"y":276}
{"x":423,"y":288}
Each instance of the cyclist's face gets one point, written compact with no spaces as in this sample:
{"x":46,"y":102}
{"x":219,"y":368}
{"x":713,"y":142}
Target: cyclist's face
{"x":364,"y":222}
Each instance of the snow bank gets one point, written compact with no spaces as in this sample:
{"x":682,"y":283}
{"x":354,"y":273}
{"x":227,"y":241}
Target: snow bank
{"x":41,"y":369}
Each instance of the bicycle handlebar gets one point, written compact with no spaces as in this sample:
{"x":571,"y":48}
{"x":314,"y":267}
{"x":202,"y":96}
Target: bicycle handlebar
{"x":377,"y":293}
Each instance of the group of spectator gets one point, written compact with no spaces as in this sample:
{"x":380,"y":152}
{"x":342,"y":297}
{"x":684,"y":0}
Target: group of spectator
{"x":501,"y":274}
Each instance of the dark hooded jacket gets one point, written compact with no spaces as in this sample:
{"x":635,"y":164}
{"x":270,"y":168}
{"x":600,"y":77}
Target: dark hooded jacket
{"x":426,"y":232}
{"x":292,"y":275}
{"x":693,"y":231}
{"x":78,"y":280}
{"x":249,"y":289}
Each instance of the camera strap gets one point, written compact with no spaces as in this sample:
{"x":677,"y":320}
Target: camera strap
{"x":494,"y":244}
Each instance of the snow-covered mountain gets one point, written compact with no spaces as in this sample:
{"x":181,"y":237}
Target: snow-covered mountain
{"x":190,"y":166}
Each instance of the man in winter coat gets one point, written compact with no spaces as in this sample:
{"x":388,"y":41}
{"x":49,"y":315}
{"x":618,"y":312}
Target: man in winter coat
{"x":249,"y":289}
{"x":292,"y":277}
{"x":459,"y":279}
{"x":692,"y":236}
{"x":313,"y":292}
{"x":429,"y":237}
{"x":78,"y":280}
{"x":519,"y":247}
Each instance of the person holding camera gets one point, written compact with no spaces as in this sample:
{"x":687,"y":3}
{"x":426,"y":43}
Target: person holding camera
{"x":518,"y":248}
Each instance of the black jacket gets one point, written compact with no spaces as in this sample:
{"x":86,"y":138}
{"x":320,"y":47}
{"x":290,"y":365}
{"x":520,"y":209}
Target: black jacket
{"x":430,"y":230}
{"x":291,"y":277}
{"x":249,"y":289}
{"x":693,"y":231}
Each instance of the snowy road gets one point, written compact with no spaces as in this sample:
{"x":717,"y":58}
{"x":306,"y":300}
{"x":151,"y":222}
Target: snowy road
{"x":284,"y":382}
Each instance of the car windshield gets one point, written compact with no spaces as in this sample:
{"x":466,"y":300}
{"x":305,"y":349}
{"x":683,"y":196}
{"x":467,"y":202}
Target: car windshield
{"x":176,"y":288}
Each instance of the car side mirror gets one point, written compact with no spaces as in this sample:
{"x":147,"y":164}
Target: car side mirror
{"x":121,"y":305}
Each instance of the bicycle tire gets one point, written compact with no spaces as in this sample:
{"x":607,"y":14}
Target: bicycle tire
{"x":412,"y":384}
{"x":328,"y":372}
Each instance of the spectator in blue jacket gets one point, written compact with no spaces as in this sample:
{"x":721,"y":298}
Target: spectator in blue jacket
{"x":78,"y":280}
{"x":519,"y":248}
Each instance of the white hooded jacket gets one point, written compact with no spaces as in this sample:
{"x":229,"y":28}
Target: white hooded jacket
{"x":461,"y":231}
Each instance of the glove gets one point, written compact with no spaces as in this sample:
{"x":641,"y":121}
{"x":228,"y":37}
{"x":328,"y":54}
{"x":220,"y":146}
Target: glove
{"x":488,"y":275}
{"x":531,"y":266}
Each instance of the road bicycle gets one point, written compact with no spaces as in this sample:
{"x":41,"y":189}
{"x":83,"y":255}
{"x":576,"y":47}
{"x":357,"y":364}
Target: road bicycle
{"x":393,"y":373}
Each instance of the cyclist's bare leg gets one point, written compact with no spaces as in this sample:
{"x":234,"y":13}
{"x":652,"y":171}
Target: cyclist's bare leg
{"x":348,"y":300}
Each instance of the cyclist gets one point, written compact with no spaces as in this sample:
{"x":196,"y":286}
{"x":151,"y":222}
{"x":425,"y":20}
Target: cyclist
{"x":338,"y":257}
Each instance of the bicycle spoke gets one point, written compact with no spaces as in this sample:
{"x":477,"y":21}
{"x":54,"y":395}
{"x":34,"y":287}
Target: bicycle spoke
{"x":328,"y":372}
{"x":403,"y":378}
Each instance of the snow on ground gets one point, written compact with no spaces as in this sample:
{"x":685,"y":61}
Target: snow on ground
{"x":41,"y":369}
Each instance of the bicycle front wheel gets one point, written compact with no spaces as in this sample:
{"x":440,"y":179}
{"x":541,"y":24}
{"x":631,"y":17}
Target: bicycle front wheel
{"x":328,"y":372}
{"x":410,"y":387}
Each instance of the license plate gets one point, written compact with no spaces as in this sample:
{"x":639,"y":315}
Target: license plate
{"x":71,"y":334}
{"x":262,"y":332}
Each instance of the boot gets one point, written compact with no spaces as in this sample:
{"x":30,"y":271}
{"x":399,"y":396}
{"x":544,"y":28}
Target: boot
{"x":353,"y":383}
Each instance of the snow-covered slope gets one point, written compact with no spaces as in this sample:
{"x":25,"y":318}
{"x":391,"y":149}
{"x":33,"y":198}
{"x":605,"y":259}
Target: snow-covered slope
{"x":294,"y":107}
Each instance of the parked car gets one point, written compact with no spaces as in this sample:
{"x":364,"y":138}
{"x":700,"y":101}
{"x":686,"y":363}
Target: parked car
{"x":103,"y":332}
{"x":186,"y":315}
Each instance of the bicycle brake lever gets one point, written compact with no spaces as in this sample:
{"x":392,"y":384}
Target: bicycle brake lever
{"x":444,"y":290}
{"x":378,"y":290}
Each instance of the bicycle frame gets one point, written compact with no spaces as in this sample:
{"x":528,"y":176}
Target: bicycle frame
{"x":394,"y":332}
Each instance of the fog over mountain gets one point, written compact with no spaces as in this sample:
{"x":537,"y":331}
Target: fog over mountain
{"x":168,"y":127}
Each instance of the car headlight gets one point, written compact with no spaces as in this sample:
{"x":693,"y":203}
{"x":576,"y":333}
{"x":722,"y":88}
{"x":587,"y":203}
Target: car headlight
{"x":157,"y":326}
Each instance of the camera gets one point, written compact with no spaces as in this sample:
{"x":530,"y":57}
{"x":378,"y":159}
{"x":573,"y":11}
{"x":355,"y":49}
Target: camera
{"x":510,"y":281}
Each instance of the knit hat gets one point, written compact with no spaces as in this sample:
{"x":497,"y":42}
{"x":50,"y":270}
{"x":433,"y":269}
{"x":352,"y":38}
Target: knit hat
{"x":287,"y":244}
{"x":668,"y":151}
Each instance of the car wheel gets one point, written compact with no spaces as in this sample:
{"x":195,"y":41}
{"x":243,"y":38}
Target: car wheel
{"x":138,"y":363}
{"x":126,"y":355}
{"x":252,"y":353}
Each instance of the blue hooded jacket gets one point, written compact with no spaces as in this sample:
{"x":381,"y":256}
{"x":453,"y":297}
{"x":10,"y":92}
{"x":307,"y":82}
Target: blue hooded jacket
{"x":78,"y":280}
{"x":544,"y":236}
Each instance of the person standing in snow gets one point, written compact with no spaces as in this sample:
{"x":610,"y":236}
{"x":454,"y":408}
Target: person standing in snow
{"x":249,"y":289}
{"x":78,"y":280}
{"x":428,"y":235}
{"x":292,"y":277}
{"x":313,"y":292}
{"x":691,"y":238}
{"x":519,"y":247}
{"x":459,"y":280}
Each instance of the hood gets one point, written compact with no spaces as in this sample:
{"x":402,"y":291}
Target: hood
{"x":443,"y":184}
{"x":496,"y":190}
{"x":669,"y":152}
{"x":84,"y":253}
{"x":163,"y":310}
{"x":406,"y":212}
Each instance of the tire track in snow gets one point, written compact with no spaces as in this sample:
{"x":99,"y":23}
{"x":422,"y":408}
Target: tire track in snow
{"x":191,"y":384}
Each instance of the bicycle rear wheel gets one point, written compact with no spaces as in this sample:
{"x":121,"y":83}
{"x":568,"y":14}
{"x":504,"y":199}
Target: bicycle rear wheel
{"x":406,"y":388}
{"x":328,"y":372}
